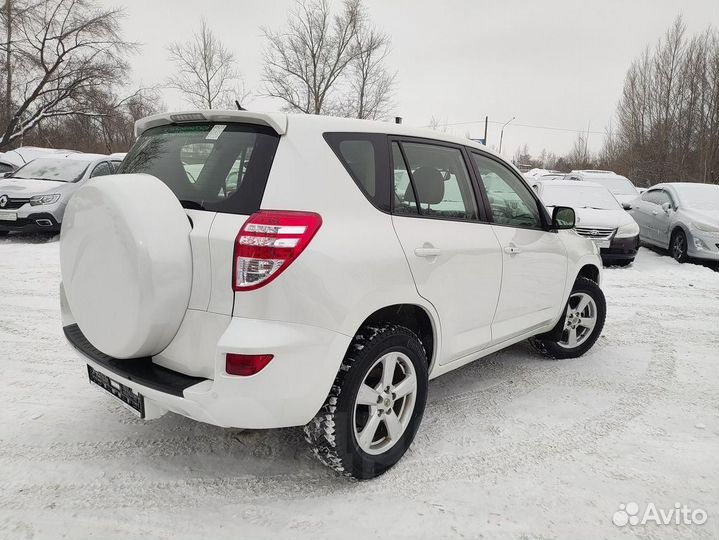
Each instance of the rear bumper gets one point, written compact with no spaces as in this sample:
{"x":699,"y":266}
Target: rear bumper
{"x":621,"y":249}
{"x":288,"y":392}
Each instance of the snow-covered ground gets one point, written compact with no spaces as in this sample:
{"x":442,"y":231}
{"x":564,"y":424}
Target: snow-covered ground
{"x":512,"y":446}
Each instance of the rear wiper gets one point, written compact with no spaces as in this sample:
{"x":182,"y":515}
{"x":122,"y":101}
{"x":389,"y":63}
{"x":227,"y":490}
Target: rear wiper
{"x":191,"y":205}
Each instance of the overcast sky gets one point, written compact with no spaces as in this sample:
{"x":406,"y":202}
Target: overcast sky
{"x":554,"y":63}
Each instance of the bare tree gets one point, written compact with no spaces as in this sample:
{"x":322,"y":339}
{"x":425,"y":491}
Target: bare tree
{"x":207,"y":75}
{"x":325,"y":63}
{"x":438,"y":125}
{"x":62,"y":51}
{"x":304,"y":63}
{"x":579,"y":157}
{"x":668,"y":115}
{"x":370,"y":83}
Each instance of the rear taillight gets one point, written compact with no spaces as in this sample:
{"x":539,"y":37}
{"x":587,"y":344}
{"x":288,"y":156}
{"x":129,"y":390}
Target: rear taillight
{"x":246,"y":364}
{"x":268,"y":243}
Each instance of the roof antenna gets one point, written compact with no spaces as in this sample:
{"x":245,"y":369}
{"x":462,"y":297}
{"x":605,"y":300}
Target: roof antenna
{"x":239,"y":107}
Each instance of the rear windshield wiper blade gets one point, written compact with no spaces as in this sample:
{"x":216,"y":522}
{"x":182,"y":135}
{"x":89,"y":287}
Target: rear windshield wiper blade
{"x":191,"y":205}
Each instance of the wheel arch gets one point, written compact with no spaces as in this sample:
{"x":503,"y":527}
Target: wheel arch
{"x":589,"y":271}
{"x":414,"y":317}
{"x":678,"y":226}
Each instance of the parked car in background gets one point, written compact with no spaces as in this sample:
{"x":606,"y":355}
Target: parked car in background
{"x":550,"y":176}
{"x":34,"y":197}
{"x":6,"y":165}
{"x":25,"y":154}
{"x":116,"y":159}
{"x":599,"y":217}
{"x":534,"y":174}
{"x":620,"y":186}
{"x":313,"y":271}
{"x":682,"y":217}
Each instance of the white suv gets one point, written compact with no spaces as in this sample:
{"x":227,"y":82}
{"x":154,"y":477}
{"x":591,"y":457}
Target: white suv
{"x":269,"y":270}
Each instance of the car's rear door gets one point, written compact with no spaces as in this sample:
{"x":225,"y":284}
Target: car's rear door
{"x":534,"y":258}
{"x":453,"y":255}
{"x":648,"y":212}
{"x":641,"y":210}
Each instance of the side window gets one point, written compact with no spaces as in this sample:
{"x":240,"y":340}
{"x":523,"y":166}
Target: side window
{"x":405,"y":201}
{"x":510,"y":200}
{"x":440,"y":180}
{"x":652,"y":196}
{"x":360,"y":158}
{"x":101,"y":170}
{"x":647,"y":196}
{"x":663,"y":197}
{"x":365,"y":157}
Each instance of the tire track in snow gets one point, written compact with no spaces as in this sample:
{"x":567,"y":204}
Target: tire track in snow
{"x":123,"y":490}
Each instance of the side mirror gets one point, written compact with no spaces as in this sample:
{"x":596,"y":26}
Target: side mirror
{"x":627,"y":206}
{"x":666,"y":207}
{"x":563,"y":217}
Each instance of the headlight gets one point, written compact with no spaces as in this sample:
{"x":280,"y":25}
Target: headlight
{"x":704,"y":227}
{"x":44,"y":199}
{"x":628,"y":230}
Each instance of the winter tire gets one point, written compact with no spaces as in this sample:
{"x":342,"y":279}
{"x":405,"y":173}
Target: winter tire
{"x":581,"y":325}
{"x":375,"y":405}
{"x":678,"y":246}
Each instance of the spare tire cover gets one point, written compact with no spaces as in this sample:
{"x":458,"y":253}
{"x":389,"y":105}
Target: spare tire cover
{"x":126,"y":263}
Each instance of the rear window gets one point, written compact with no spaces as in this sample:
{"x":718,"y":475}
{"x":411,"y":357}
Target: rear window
{"x":217,"y":167}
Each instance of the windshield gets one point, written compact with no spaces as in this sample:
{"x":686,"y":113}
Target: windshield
{"x":579,"y":196}
{"x":699,"y":196}
{"x":617,"y":185}
{"x":218,"y":167}
{"x":58,"y":170}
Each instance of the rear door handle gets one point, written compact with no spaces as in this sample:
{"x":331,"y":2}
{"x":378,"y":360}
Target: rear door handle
{"x":654,"y":212}
{"x":512,"y":250}
{"x":427,"y":252}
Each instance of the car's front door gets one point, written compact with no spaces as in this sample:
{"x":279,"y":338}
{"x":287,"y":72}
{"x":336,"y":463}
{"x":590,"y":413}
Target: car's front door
{"x":453,"y":255}
{"x":662,"y":217}
{"x":534,"y":258}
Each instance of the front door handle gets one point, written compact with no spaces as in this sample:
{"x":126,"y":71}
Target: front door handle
{"x":512,"y":250}
{"x":427,"y":252}
{"x":655,"y":212}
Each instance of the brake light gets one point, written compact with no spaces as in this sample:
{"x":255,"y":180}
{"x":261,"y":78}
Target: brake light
{"x":246,"y":364}
{"x":267,"y":244}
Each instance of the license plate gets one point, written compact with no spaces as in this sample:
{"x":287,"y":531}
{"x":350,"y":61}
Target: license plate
{"x":602,"y":243}
{"x":8,"y":216}
{"x":124,"y":394}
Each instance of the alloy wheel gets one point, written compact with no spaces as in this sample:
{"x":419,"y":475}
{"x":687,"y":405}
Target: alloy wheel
{"x":579,"y":320}
{"x":678,"y":247}
{"x":384,"y":403}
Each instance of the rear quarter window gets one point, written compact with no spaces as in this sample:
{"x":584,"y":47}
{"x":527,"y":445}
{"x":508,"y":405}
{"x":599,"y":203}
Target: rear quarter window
{"x":216,"y":167}
{"x":365,"y":156}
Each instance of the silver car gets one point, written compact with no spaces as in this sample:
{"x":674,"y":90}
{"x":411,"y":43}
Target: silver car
{"x":33,"y":198}
{"x":682,"y":217}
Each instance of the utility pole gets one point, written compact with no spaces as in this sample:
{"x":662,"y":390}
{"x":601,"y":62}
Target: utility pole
{"x":8,"y":61}
{"x":501,"y":134}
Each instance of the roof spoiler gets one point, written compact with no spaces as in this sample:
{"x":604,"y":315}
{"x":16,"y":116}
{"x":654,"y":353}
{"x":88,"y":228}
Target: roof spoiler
{"x":276,"y":121}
